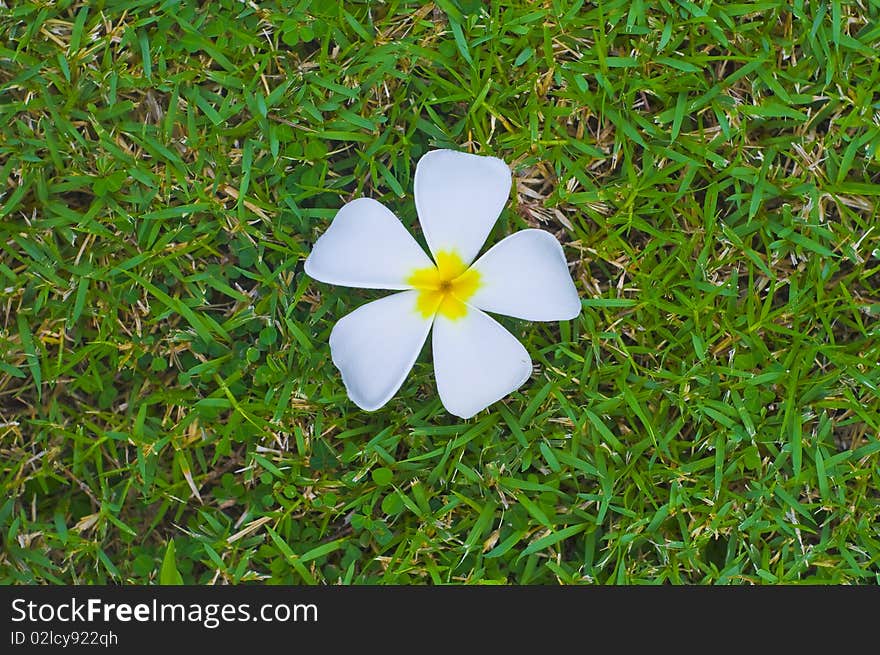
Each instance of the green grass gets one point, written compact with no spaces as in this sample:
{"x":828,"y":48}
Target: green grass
{"x":712,"y":170}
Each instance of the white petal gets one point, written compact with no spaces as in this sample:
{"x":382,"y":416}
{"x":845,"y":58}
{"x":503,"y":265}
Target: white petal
{"x":376,"y":345}
{"x":366,"y":246}
{"x":476,"y":362}
{"x":459,"y":197}
{"x":526,"y":276}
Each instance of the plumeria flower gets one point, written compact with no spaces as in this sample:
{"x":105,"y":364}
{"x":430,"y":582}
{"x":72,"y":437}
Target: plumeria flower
{"x":476,"y":361}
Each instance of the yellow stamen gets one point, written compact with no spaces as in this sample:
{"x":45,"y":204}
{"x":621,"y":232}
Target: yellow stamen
{"x":444,"y":288}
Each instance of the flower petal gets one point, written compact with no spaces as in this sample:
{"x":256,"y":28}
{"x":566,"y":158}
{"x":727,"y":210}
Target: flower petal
{"x":526,"y":276}
{"x":376,"y":345}
{"x":366,"y":246}
{"x":476,"y":362}
{"x":459,"y":197}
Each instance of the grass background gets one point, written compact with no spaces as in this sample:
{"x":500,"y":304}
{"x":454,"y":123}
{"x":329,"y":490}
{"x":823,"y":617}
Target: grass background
{"x":712,"y":170}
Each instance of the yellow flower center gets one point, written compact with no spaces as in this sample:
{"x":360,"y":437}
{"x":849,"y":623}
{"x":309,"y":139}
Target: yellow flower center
{"x":444,"y":288}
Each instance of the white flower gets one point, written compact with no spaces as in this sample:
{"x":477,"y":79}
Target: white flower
{"x":476,"y":361}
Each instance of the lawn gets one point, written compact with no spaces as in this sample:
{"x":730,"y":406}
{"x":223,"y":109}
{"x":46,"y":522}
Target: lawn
{"x":712,"y":171}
